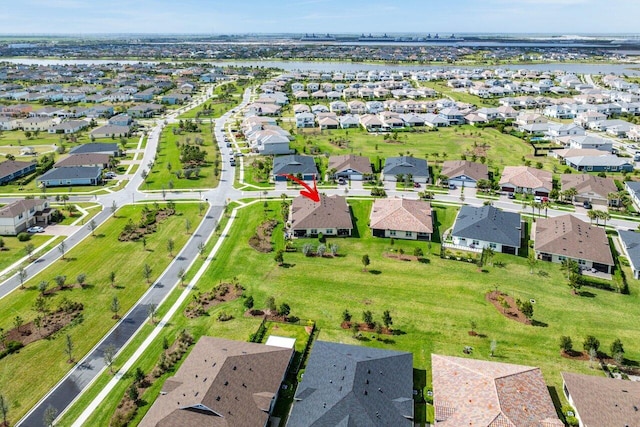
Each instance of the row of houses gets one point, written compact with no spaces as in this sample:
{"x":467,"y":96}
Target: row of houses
{"x":239,"y":383}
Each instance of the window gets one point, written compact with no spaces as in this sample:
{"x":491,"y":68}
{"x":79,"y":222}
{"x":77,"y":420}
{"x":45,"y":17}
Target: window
{"x":475,"y":242}
{"x":408,"y":234}
{"x":314,"y":231}
{"x":329,"y":231}
{"x":561,"y":258}
{"x":392,"y":232}
{"x":492,"y":245}
{"x":582,"y":262}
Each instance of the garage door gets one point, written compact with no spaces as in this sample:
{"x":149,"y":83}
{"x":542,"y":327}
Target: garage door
{"x":356,"y":177}
{"x":462,"y":183}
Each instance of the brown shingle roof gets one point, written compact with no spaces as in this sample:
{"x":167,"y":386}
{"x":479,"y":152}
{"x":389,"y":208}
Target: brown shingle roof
{"x":526,"y":177}
{"x":19,"y":206}
{"x":84,"y":159}
{"x":469,"y":392}
{"x":571,"y":237}
{"x":401,"y":215}
{"x":603,"y":401}
{"x":9,"y":167}
{"x":585,"y":183}
{"x":330,"y":212}
{"x":221,"y":383}
{"x":453,"y":168}
{"x":350,"y":161}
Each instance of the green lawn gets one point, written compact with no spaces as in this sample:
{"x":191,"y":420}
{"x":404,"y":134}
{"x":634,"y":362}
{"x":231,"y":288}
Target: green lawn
{"x":169,"y":154}
{"x":15,"y":248}
{"x":20,"y":381}
{"x":432,"y":302}
{"x":216,"y":107}
{"x":441,"y":87}
{"x":444,"y":144}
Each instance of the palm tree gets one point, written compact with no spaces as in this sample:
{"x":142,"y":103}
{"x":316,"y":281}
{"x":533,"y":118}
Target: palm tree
{"x":605,"y":216}
{"x":545,"y":204}
{"x":570,"y":193}
{"x":569,"y":266}
{"x":592,"y":215}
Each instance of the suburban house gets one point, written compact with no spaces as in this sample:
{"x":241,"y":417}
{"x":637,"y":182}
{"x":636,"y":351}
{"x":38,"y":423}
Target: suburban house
{"x":470,"y":392}
{"x":222,"y":383}
{"x":97,"y":147}
{"x":487,"y":227}
{"x":567,"y":237}
{"x":586,"y":142}
{"x":74,"y":175}
{"x":68,"y":127}
{"x":110,"y":131}
{"x":86,"y":159}
{"x":405,"y":165}
{"x":602,"y":401}
{"x":633,"y":188}
{"x":16,"y":217}
{"x":305,"y":120}
{"x":602,"y":163}
{"x":401,"y":218}
{"x":330,"y":216}
{"x":464,"y":173}
{"x":350,"y":166}
{"x":37,"y":123}
{"x":296,"y":165}
{"x":591,"y":188}
{"x":524,"y":179}
{"x":351,"y":385}
{"x":10,"y":170}
{"x":631,"y":248}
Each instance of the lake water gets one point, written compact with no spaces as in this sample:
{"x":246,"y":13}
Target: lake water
{"x":328,"y":66}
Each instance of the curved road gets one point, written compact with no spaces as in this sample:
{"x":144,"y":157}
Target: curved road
{"x":90,"y":366}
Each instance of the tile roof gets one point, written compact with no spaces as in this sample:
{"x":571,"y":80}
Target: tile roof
{"x":455,"y":168}
{"x":222,"y":383}
{"x":330,"y":212}
{"x":489,"y":224}
{"x":476,"y":393}
{"x":360,"y":164}
{"x":526,"y":177}
{"x":585,"y":183}
{"x":603,"y":401}
{"x":569,"y":236}
{"x":401,"y":215}
{"x":354,"y":386}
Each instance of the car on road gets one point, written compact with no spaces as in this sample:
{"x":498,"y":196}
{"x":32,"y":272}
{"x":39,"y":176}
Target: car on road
{"x":35,"y":229}
{"x":110,"y":175}
{"x":232,"y":162}
{"x":416,"y":185}
{"x":228,"y":144}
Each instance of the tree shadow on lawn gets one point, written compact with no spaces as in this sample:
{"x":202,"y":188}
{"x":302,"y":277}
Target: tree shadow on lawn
{"x":386,"y":340}
{"x":398,"y":332}
{"x":539,"y":323}
{"x":99,"y":236}
{"x":587,"y":294}
{"x":375,"y":272}
{"x":287,"y":265}
{"x":424,"y":260}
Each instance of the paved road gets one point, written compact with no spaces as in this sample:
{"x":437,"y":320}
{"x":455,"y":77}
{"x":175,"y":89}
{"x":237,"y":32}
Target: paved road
{"x":90,"y":366}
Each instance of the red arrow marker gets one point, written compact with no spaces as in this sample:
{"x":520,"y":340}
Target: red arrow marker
{"x":310,"y":193}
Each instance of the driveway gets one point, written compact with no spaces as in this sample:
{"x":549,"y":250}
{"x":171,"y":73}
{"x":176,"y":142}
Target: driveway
{"x":61,"y":230}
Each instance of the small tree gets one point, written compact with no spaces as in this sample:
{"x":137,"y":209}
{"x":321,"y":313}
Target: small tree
{"x":346,"y":316}
{"x":42,"y":287}
{"x":115,"y":307}
{"x":4,"y":410}
{"x":387,"y":319}
{"x":146,"y":271}
{"x":279,"y":258}
{"x":114,"y":208}
{"x":590,"y":342}
{"x":248,"y":303}
{"x":187,"y":225}
{"x":112,"y":278}
{"x":92,"y":227}
{"x":62,"y":248}
{"x":108,"y":355}
{"x":50,"y":415}
{"x":532,"y":261}
{"x":271,"y":304}
{"x":617,"y":347}
{"x":365,"y":262}
{"x":28,"y":250}
{"x":474,"y":326}
{"x":493,"y":347}
{"x":133,"y":394}
{"x":367,"y":317}
{"x":574,"y":282}
{"x":527,"y":309}
{"x":170,"y":246}
{"x":181,"y":275}
{"x":81,"y":279}
{"x":18,"y":322}
{"x":61,"y":281}
{"x":68,"y":348}
{"x":22,"y":276}
{"x":355,"y":329}
{"x":284,"y":309}
{"x":151,"y":312}
{"x":201,"y":249}
{"x":566,"y":344}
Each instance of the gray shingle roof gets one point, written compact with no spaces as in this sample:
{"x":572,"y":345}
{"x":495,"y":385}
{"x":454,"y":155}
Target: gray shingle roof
{"x":294,"y":164}
{"x":347,"y":385}
{"x":74,"y":172}
{"x":94,"y":148}
{"x":631,"y":242}
{"x":406,"y":165}
{"x":489,"y":224}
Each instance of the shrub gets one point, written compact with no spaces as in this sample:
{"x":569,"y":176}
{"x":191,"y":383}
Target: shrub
{"x":590,"y":342}
{"x":223,"y":316}
{"x":566,"y":344}
{"x":24,"y":237}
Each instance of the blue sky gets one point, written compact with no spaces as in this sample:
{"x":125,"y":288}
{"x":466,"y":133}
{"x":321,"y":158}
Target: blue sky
{"x":335,"y":16}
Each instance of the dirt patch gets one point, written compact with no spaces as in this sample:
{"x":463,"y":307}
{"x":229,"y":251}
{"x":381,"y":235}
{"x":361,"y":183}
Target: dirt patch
{"x":511,"y":312}
{"x":574,"y":355}
{"x":340,"y":143}
{"x":261,"y":240}
{"x":363,"y":327}
{"x":49,"y":325}
{"x":147,"y":225}
{"x":393,"y":141}
{"x":403,"y":257}
{"x":201,"y":303}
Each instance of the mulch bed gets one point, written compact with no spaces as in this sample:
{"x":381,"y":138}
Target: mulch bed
{"x":139,"y":232}
{"x":267,"y":314}
{"x":224,"y":292}
{"x":575,"y":355}
{"x":404,"y":257}
{"x":28,"y":332}
{"x":363,"y":327}
{"x":261,"y":240}
{"x":512,"y":312}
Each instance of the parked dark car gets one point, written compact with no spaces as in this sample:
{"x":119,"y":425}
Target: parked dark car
{"x":586,"y":204}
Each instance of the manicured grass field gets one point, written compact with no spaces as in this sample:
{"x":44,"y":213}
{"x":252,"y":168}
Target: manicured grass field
{"x":161,"y":177}
{"x":25,"y":377}
{"x":445,"y":144}
{"x":218,"y":108}
{"x":15,"y":248}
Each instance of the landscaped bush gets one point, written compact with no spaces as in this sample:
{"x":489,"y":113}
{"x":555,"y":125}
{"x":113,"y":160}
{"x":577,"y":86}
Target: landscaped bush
{"x":24,"y":237}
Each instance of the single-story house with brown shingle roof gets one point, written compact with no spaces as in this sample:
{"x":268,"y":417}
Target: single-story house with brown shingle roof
{"x":350,"y":166}
{"x":470,"y":392}
{"x":464,"y":173}
{"x":523,"y":179}
{"x":567,"y":237}
{"x":599,"y":401}
{"x":85,"y":159}
{"x":222,"y":383}
{"x":330,"y":216}
{"x":10,"y":170}
{"x":401,"y":219}
{"x":591,"y":188}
